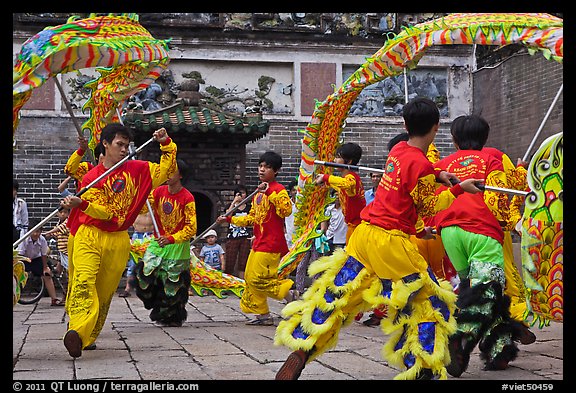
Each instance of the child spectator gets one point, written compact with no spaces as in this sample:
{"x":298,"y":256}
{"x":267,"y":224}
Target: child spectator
{"x":212,"y":253}
{"x":238,"y":238}
{"x":61,"y":233}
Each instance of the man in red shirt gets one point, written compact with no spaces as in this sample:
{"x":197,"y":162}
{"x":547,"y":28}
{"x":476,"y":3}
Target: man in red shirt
{"x":381,"y":266}
{"x":101,"y":244}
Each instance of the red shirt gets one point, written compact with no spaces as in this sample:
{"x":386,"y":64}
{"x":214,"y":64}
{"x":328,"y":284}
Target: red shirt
{"x":406,"y":190}
{"x":471,"y":212}
{"x":175,"y":213}
{"x":115,"y":201}
{"x":123,"y":193}
{"x":351,"y":195}
{"x":267,"y":217}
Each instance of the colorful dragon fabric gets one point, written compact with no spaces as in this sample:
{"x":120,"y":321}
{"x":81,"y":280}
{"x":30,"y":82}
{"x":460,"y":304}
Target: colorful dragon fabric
{"x":543,"y":234}
{"x":19,"y":275}
{"x":203,"y":278}
{"x":127,"y":57}
{"x":321,"y":137}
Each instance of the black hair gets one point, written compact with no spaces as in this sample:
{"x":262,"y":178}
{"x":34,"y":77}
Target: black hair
{"x":292,"y":184}
{"x":470,"y":132}
{"x":32,"y":223}
{"x":420,"y":115}
{"x":271,"y":158}
{"x":239,"y":188}
{"x":15,"y":184}
{"x":183,"y":168}
{"x":403,"y":136}
{"x":350,"y":152}
{"x":110,"y":131}
{"x":99,"y":149}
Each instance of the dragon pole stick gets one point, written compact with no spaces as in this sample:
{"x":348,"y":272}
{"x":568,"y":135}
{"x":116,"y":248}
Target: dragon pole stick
{"x":215,"y":223}
{"x":527,"y":154}
{"x":83,"y":190}
{"x":365,"y":168}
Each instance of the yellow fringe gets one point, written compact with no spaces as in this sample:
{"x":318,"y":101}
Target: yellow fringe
{"x":325,"y":336}
{"x":365,"y":293}
{"x":421,"y":311}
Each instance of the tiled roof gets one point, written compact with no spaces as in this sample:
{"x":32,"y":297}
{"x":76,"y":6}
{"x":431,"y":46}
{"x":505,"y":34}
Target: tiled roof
{"x":197,"y":120}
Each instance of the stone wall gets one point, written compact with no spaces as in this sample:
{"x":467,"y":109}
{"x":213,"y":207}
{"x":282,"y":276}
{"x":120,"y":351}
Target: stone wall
{"x":514,"y":97}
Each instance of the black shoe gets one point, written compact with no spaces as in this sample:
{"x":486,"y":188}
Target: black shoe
{"x":458,"y":358}
{"x":526,"y":336}
{"x":497,"y":364}
{"x":424,"y":374}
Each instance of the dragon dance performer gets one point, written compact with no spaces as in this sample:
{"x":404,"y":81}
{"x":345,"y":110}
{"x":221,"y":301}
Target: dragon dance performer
{"x":269,"y":208}
{"x":516,"y":179}
{"x":382,"y":266}
{"x":348,"y":186}
{"x":101,"y":241}
{"x":163,"y":275}
{"x":471,"y":231}
{"x":430,"y":247}
{"x":76,"y":169}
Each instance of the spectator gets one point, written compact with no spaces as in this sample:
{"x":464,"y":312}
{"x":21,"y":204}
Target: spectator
{"x":19,"y":213}
{"x":370,"y":193}
{"x":63,"y":187}
{"x":337,"y":228}
{"x":238,"y":243}
{"x":212,"y":253}
{"x":289,"y":221}
{"x":61,"y":233}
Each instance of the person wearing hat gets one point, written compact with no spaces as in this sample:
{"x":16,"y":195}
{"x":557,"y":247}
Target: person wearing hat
{"x":212,"y":253}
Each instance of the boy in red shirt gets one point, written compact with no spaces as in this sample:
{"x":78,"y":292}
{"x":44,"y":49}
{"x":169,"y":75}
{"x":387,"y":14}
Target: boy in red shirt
{"x":270,"y":206}
{"x":349,"y":186}
{"x":381,"y":266}
{"x":471,"y":231}
{"x":163,"y":274}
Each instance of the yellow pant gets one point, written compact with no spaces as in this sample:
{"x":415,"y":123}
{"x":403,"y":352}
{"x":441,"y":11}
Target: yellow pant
{"x":261,"y":278}
{"x":514,"y":285}
{"x":350,"y":231}
{"x":433,"y":252}
{"x":99,"y":259}
{"x":379,"y":267}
